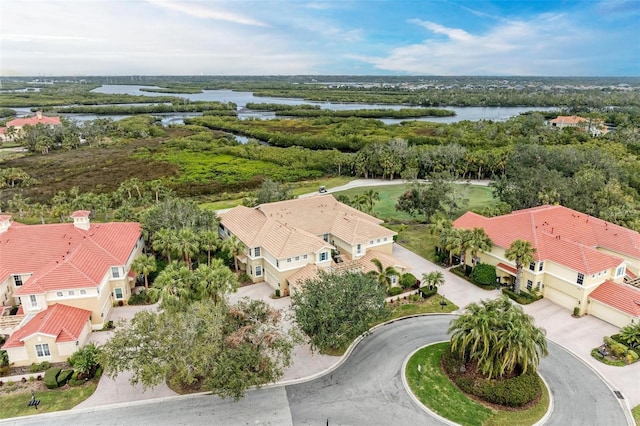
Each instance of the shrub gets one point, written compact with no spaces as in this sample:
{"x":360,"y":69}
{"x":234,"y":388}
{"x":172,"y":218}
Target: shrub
{"x":64,"y":377}
{"x":85,"y":360}
{"x":630,"y":335}
{"x":51,"y":377}
{"x":408,"y":280}
{"x":108,"y":325}
{"x":484,"y":275}
{"x":43,"y":366}
{"x":394,"y":291}
{"x":524,"y":298}
{"x":5,"y":370}
{"x":4,"y":358}
{"x":39,"y":377}
{"x":608,"y":340}
{"x":631,"y":356}
{"x":618,"y":350}
{"x":426,"y":293}
{"x":576,"y":312}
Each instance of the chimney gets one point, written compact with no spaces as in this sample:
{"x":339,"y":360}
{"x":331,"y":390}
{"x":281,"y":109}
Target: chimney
{"x":5,"y":223}
{"x":39,"y":115}
{"x":81,"y":219}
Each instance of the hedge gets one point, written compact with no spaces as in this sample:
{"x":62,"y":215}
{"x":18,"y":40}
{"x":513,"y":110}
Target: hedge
{"x":394,"y":291}
{"x":426,"y":292}
{"x":484,"y":275}
{"x":408,"y":280}
{"x":524,"y":298}
{"x":512,"y":392}
{"x":51,"y":377}
{"x":64,"y":377}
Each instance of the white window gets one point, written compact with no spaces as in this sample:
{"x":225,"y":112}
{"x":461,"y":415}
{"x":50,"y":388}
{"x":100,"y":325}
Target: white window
{"x":118,"y":292}
{"x":371,"y":242}
{"x":529,"y":285}
{"x":258,"y":271}
{"x":59,"y":294}
{"x":323,"y":256}
{"x":539,"y":285}
{"x":115,"y":272}
{"x":17,"y":279}
{"x":580,"y":279}
{"x":540,"y":266}
{"x":305,"y":256}
{"x":72,"y":293}
{"x":620,"y":271}
{"x":394,"y":279}
{"x":289,"y":260}
{"x":42,"y":350}
{"x":378,"y":240}
{"x":359,"y":249}
{"x":325,"y":237}
{"x":532,"y":266}
{"x":83,"y":292}
{"x":385,"y":238}
{"x":33,"y":300}
{"x":297,"y":258}
{"x":256,"y":251}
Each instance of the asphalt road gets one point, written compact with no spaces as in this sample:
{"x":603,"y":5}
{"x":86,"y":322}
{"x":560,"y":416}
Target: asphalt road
{"x":366,"y":389}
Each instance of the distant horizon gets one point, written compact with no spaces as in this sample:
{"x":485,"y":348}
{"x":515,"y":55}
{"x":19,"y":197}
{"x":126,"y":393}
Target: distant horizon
{"x":581,"y":38}
{"x":394,"y":76}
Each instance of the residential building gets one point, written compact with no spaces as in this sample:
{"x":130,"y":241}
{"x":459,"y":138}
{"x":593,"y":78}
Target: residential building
{"x":82,"y":266}
{"x":575,"y":255}
{"x":289,"y":240}
{"x":594,"y":126}
{"x":19,"y":123}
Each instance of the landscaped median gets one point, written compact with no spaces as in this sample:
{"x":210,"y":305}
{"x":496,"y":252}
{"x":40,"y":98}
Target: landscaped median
{"x":431,"y":386}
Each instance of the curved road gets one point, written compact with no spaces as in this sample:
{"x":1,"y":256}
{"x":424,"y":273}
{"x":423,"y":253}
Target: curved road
{"x":366,"y":389}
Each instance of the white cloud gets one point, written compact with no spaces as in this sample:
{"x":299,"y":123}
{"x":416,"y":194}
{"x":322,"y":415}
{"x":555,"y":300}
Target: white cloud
{"x":547,"y":45}
{"x":201,"y":11}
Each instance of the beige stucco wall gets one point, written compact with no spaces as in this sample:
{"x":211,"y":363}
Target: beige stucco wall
{"x":383,"y":248}
{"x":6,"y":295}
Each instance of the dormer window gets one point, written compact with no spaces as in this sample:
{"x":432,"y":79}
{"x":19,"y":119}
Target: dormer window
{"x":17,"y":280}
{"x":256,"y":251}
{"x":115,"y":272}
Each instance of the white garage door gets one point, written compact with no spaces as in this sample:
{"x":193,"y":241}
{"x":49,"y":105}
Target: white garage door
{"x":560,"y":298}
{"x":608,"y":314}
{"x":271,"y":279}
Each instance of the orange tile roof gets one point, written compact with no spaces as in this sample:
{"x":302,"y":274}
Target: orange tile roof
{"x":61,"y":256}
{"x":32,"y":121}
{"x":568,"y":119}
{"x":64,"y":322}
{"x":560,"y":234}
{"x":507,"y":268}
{"x":620,"y":296}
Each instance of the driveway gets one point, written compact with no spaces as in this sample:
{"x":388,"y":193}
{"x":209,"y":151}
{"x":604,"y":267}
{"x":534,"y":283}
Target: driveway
{"x":120,"y":390}
{"x":579,"y":335}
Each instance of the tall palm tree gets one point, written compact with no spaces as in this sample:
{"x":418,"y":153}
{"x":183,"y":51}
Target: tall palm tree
{"x":450,"y":240}
{"x":164,"y":241}
{"x":499,"y":336}
{"x":370,"y":197}
{"x":479,"y":240}
{"x":173,"y":287}
{"x":209,"y":241}
{"x":235,"y":247}
{"x":187,"y":244}
{"x":144,"y":265}
{"x":384,"y":275}
{"x":522,"y":252}
{"x":215,"y":281}
{"x":465,"y":244}
{"x":40,"y":210}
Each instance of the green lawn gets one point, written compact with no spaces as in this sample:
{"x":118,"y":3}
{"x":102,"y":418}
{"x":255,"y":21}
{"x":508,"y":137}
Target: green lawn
{"x":439,"y":394}
{"x":416,"y":237}
{"x":15,"y":404}
{"x":477,"y":196}
{"x":428,"y":306}
{"x":636,"y":414}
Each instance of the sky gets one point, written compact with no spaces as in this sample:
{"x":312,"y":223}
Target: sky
{"x":320,"y":37}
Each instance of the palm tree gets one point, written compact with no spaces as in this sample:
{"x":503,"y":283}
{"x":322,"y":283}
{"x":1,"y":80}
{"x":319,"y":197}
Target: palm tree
{"x":19,"y":203}
{"x":465,"y":244}
{"x":187,"y":245}
{"x":479,"y":240}
{"x":40,"y":210}
{"x":234,"y":246}
{"x":164,"y":241}
{"x":499,"y":336}
{"x":384,"y":275}
{"x":209,"y":241}
{"x":144,"y":265}
{"x":450,"y":240}
{"x":433,"y":279}
{"x":522,"y":252}
{"x":630,"y":334}
{"x":173,"y":286}
{"x":215,"y":281}
{"x":369,"y":199}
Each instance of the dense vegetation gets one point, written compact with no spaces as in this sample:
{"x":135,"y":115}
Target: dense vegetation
{"x":213,"y":108}
{"x":309,"y":111}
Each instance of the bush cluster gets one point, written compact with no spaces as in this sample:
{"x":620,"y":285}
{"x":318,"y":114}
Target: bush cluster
{"x":484,"y":275}
{"x":394,"y":291}
{"x":620,"y":350}
{"x":408,"y":280}
{"x":524,"y":298}
{"x":142,"y":298}
{"x":510,"y":392}
{"x":427,"y":292}
{"x":56,"y":377}
{"x":43,"y":366}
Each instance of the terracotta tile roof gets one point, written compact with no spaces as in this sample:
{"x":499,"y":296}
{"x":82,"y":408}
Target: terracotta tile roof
{"x":295,"y":227}
{"x":308,"y":272}
{"x":507,"y":268}
{"x":64,"y":322}
{"x":80,"y":213}
{"x":620,"y":296}
{"x":61,"y":256}
{"x":631,"y":274}
{"x":3,"y":130}
{"x":560,"y":234}
{"x":568,"y":119}
{"x":32,"y":121}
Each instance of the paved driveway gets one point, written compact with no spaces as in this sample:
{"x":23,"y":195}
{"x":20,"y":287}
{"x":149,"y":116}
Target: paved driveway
{"x":579,"y":335}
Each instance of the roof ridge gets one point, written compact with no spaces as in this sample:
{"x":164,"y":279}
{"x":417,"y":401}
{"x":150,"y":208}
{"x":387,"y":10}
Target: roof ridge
{"x":584,"y":258}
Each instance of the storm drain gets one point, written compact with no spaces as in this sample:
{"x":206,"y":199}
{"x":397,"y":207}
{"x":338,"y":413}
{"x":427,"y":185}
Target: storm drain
{"x":618,"y":394}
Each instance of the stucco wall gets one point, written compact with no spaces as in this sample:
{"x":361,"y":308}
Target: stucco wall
{"x":608,"y":314}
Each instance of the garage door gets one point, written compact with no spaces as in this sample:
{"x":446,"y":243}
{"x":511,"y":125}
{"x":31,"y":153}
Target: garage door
{"x":271,"y":279}
{"x":608,"y":314}
{"x":560,"y":298}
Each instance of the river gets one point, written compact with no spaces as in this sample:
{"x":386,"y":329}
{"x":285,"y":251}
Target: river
{"x":242,"y":98}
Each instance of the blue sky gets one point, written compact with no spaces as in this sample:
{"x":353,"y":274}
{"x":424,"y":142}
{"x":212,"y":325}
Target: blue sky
{"x":285,"y":37}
